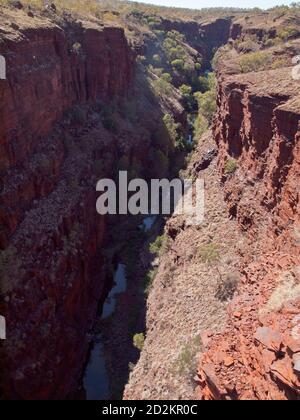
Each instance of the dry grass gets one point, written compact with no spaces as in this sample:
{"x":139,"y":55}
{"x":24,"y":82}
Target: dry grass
{"x":80,"y":7}
{"x":125,"y":8}
{"x":287,"y":290}
{"x":209,"y":253}
{"x":255,"y":61}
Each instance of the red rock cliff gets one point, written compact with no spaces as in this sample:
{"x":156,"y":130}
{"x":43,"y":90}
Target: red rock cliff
{"x":51,"y":271}
{"x":257,"y":125}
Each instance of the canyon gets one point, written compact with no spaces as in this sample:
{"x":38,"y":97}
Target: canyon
{"x":79,"y":104}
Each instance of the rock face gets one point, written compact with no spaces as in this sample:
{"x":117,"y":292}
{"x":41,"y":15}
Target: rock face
{"x":50,"y":236}
{"x":49,"y":70}
{"x":204,"y":37}
{"x":257,"y":126}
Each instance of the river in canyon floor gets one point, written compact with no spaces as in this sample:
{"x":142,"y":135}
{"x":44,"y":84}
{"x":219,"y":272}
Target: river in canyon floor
{"x":96,"y":380}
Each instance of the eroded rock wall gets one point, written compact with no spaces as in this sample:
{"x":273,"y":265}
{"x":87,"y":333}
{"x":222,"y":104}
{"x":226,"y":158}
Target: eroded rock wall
{"x":257,"y":126}
{"x":52,"y":274}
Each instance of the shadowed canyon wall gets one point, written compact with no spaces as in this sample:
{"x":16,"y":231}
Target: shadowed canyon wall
{"x":51,"y":272}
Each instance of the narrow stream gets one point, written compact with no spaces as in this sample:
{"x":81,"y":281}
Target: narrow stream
{"x":147,"y":223}
{"x":96,"y":378}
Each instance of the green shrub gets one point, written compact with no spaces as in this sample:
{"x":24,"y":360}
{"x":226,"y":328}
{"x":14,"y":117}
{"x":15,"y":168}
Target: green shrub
{"x":287,"y":289}
{"x":178,"y":64}
{"x":131,"y":366}
{"x":185,"y":90}
{"x":286,"y":33}
{"x":162,"y":87}
{"x":148,"y":280}
{"x":153,"y":22}
{"x":207,"y":103}
{"x":159,"y":33}
{"x":172,"y":127}
{"x":158,"y":71}
{"x":136,"y":13}
{"x":248,"y":46}
{"x":157,"y":245}
{"x":141,"y":59}
{"x":139,"y":341}
{"x":271,"y":42}
{"x":188,"y":97}
{"x":230,"y":166}
{"x":255,"y":61}
{"x":189,"y":67}
{"x":209,"y":253}
{"x":176,"y":36}
{"x":203,"y":84}
{"x":168,"y":44}
{"x":207,"y":100}
{"x":279,"y":63}
{"x":167,"y":77}
{"x":76,"y":47}
{"x":200,"y":126}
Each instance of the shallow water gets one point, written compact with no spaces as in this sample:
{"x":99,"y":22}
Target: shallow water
{"x":96,"y":378}
{"x":119,"y":287}
{"x":148,"y":222}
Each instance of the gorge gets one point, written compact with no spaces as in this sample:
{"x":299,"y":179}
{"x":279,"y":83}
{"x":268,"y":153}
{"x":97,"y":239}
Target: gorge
{"x":115,"y":87}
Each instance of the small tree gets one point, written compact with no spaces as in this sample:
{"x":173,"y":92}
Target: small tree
{"x":178,"y":64}
{"x":139,"y":341}
{"x":230,"y":166}
{"x":200,"y":126}
{"x":172,"y":127}
{"x":207,"y":104}
{"x":157,"y":245}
